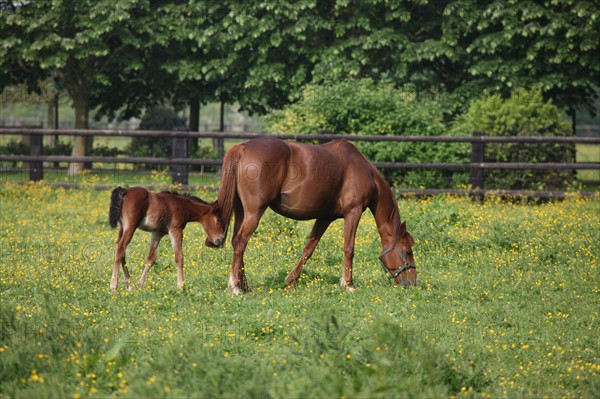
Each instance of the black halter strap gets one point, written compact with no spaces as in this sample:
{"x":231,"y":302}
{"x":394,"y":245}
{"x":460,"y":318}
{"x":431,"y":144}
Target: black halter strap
{"x":405,"y":267}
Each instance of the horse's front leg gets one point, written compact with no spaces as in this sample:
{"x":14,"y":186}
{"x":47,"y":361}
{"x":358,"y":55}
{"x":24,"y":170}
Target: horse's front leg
{"x":176,"y":236}
{"x":242,"y":232}
{"x":351,"y":220}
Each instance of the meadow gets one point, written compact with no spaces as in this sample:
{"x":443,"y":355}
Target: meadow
{"x":506,"y":306}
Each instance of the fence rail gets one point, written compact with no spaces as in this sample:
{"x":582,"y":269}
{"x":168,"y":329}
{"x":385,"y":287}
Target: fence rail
{"x":298,"y":137}
{"x":179,"y":162}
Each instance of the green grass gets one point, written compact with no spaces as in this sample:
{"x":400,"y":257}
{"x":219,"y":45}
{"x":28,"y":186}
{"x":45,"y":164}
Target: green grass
{"x":117,"y":175}
{"x":588,"y":153}
{"x":507,"y":305}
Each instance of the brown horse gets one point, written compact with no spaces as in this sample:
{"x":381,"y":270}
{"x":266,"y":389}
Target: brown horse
{"x":160,"y":214}
{"x":302,"y":181}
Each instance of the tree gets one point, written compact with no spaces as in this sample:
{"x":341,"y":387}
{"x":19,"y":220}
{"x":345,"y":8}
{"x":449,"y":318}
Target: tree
{"x":84,"y":41}
{"x":466,"y":48}
{"x":552,"y":46}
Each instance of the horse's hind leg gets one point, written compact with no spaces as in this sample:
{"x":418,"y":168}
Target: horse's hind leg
{"x":350,"y":226}
{"x":125,"y":238}
{"x":114,"y":281}
{"x":317,"y":232}
{"x":154,"y":241}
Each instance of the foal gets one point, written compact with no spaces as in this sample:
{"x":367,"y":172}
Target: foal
{"x":160,"y":214}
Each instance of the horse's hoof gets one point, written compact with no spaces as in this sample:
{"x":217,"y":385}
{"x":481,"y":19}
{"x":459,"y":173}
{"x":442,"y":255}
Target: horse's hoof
{"x":113,"y":286}
{"x":345,"y":286}
{"x":290,"y":283}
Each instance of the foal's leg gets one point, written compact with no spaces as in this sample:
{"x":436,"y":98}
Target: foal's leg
{"x":114,"y":281}
{"x":315,"y":235}
{"x":125,"y":237}
{"x":351,"y":220}
{"x":154,"y":240}
{"x":176,"y":236}
{"x":241,"y":234}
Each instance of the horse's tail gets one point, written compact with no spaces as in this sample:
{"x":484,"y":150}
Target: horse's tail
{"x":228,"y":190}
{"x":116,"y":204}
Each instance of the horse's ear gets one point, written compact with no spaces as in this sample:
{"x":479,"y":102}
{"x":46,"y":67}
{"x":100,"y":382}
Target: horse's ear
{"x":403,"y":228}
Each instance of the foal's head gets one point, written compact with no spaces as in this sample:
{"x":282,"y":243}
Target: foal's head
{"x":213,"y":226}
{"x":398,"y":260}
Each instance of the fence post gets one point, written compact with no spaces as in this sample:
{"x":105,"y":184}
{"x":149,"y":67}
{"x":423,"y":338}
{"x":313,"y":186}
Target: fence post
{"x":477,"y":157}
{"x":179,"y":149}
{"x":36,"y":147}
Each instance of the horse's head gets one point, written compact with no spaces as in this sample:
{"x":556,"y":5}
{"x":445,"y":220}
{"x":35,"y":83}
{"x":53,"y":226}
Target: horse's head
{"x":398,"y":260}
{"x":214,"y":227}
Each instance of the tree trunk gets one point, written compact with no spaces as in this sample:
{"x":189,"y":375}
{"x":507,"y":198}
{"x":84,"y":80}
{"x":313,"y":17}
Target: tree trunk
{"x":218,"y":144}
{"x":50,"y":116}
{"x":194,"y":123}
{"x":82,"y":105}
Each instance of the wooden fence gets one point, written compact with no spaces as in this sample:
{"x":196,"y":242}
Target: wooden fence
{"x":179,"y":162}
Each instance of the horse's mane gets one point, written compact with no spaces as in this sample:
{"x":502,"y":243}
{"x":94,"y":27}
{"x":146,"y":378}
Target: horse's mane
{"x":186,"y":195}
{"x":395,"y":220}
{"x":384,"y":189}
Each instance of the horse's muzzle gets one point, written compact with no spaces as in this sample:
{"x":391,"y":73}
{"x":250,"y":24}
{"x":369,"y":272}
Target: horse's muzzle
{"x":218,"y":243}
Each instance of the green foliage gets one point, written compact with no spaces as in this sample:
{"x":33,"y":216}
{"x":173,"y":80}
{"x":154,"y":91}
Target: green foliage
{"x":525,"y":113}
{"x":157,"y":118}
{"x":502,"y":45}
{"x":366,"y":108}
{"x":105,"y":151}
{"x":86,"y":45}
{"x":506,"y":306}
{"x":14,"y":147}
{"x":60,"y":147}
{"x":205,"y":152}
{"x":125,"y":57}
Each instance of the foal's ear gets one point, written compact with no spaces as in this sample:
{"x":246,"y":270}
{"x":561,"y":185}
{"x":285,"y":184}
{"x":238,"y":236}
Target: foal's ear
{"x":403,"y":228}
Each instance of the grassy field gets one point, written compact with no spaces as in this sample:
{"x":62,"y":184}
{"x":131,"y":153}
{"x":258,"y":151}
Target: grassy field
{"x":118,"y":175}
{"x":507,"y":306}
{"x":588,"y":153}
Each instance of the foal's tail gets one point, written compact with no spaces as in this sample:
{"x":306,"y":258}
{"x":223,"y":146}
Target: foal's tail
{"x":116,"y":204}
{"x":228,"y":190}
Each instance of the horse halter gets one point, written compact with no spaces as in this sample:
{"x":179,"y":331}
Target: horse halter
{"x":399,"y":271}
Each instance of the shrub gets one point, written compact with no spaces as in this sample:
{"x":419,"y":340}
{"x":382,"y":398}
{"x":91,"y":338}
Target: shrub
{"x":104,"y":151}
{"x":366,"y":108}
{"x":157,"y":118}
{"x":205,"y":152}
{"x":14,"y":147}
{"x":525,"y":113}
{"x":59,"y":148}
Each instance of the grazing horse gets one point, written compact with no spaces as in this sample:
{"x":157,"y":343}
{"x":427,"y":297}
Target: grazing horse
{"x":303,"y":181}
{"x":160,"y":214}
